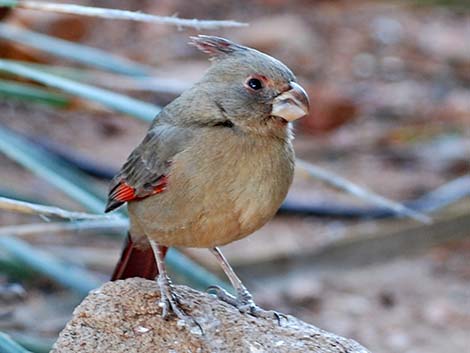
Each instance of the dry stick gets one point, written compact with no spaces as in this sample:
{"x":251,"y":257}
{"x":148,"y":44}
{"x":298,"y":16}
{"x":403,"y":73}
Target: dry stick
{"x":359,"y":191}
{"x":49,"y":211}
{"x":124,"y":15}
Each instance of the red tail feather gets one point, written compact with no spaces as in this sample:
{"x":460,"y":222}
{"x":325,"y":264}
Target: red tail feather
{"x":136,"y":261}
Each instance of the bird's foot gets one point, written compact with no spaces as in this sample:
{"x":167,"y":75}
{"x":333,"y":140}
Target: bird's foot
{"x":169,"y":302}
{"x":245,"y":304}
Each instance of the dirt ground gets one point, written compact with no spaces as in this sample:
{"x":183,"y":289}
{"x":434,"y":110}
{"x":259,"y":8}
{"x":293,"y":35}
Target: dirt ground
{"x":389,"y":84}
{"x":413,"y":304}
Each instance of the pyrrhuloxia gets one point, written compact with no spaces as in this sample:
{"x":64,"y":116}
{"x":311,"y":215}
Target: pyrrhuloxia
{"x":215,"y":166}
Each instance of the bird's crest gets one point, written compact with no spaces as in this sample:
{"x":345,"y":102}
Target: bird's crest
{"x":215,"y":46}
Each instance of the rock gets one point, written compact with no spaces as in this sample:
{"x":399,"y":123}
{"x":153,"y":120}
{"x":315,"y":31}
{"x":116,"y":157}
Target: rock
{"x":123,"y":316}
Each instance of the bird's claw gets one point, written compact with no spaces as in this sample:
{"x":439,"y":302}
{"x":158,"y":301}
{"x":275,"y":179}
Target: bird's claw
{"x":245,"y":304}
{"x":223,"y":295}
{"x":170,"y":302}
{"x":256,"y":311}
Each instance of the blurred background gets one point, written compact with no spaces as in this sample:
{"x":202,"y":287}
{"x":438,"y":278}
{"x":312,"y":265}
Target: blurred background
{"x":389,"y":88}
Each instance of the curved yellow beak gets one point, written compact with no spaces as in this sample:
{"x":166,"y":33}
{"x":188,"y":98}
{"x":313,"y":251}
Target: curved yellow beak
{"x":292,"y":104}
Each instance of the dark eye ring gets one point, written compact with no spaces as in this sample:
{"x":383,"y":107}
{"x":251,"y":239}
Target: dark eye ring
{"x":255,"y":84}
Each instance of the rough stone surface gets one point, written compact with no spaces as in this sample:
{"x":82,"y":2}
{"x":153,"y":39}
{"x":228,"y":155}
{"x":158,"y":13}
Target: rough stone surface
{"x":124,"y":316}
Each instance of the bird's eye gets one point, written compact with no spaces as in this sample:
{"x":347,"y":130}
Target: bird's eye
{"x":255,"y":84}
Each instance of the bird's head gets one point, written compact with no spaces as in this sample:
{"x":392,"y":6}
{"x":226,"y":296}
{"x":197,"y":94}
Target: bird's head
{"x":252,"y":90}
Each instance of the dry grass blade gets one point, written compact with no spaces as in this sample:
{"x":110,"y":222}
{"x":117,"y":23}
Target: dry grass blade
{"x":122,"y":15}
{"x":361,"y":192}
{"x":7,"y":204}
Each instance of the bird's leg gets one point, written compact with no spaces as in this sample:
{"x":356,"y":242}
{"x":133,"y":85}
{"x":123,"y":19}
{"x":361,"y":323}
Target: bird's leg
{"x":168,"y":299}
{"x":244,"y":300}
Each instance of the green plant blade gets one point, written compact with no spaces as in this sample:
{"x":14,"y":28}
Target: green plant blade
{"x":56,"y":172}
{"x":69,"y":276}
{"x":8,"y":3}
{"x":13,"y":269}
{"x":34,"y":343}
{"x":76,"y":52}
{"x":118,"y":102}
{"x":73,"y":73}
{"x":112,"y":80}
{"x":7,"y":345}
{"x":32,"y":93}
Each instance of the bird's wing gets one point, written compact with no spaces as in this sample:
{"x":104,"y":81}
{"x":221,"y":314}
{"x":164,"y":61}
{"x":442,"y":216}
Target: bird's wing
{"x":146,"y":169}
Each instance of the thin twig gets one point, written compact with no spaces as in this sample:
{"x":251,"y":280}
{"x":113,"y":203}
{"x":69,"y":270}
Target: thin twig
{"x":49,"y":211}
{"x":55,"y":227}
{"x":123,"y":15}
{"x":361,"y":192}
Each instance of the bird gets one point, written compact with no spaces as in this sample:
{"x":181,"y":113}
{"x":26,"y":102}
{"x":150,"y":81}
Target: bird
{"x":214,"y":166}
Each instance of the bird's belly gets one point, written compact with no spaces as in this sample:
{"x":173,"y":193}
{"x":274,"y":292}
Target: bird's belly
{"x":209,"y":222}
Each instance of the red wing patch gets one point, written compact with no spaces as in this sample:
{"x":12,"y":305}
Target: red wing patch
{"x":123,"y":192}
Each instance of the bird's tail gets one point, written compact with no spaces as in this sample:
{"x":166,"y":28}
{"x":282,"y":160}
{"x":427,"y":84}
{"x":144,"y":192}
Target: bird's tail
{"x":137,"y":260}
